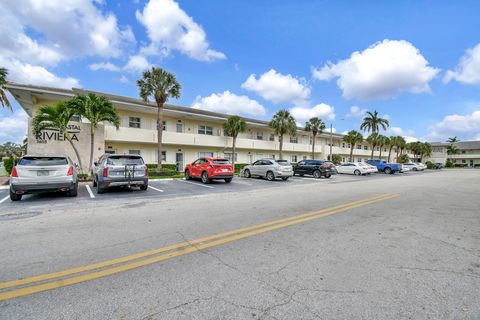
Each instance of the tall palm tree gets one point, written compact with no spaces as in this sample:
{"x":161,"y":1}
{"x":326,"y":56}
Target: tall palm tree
{"x":452,"y":140}
{"x":3,"y":96}
{"x":56,"y":117}
{"x":382,"y":142}
{"x":400,"y":144}
{"x":426,"y":150}
{"x":373,"y":140}
{"x":353,"y":137}
{"x":283,"y":123}
{"x":232,"y":128}
{"x":316,"y":126}
{"x":372,"y":122}
{"x":159,"y":85}
{"x":392,"y":143}
{"x":95,"y":109}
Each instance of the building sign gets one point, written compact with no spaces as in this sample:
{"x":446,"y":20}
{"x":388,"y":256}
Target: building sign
{"x":55,"y":135}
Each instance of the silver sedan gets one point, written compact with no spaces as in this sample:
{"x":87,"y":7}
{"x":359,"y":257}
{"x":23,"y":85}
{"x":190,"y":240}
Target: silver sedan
{"x":269,"y":168}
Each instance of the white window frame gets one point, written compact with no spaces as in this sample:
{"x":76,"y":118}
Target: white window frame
{"x":293,"y":139}
{"x":133,"y":120}
{"x":204,"y":129}
{"x":135,"y":152}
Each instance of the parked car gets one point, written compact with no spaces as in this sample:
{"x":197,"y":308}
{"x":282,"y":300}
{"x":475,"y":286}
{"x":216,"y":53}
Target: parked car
{"x":315,"y":168}
{"x":413,"y":166}
{"x":384,"y":166}
{"x":269,"y":168}
{"x":43,"y":173}
{"x":333,"y":166}
{"x":119,"y":170}
{"x":438,"y":165}
{"x":208,"y":169}
{"x":356,"y":168}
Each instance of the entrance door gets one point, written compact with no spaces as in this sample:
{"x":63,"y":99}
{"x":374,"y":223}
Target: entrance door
{"x":471,"y":163}
{"x":179,"y":161}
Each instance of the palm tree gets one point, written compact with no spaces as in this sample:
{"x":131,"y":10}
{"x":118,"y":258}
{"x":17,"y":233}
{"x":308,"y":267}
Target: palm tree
{"x":452,"y":140}
{"x":56,"y":117}
{"x":3,"y":80}
{"x":353,"y":137}
{"x":95,"y":109}
{"x":232,"y":128}
{"x":373,"y":139}
{"x":452,"y":150}
{"x":392,"y":143}
{"x":160,"y":85}
{"x":316,"y":126}
{"x":372,"y":122}
{"x":283,"y":123}
{"x":400,"y":143}
{"x":426,"y":150}
{"x":382,"y":142}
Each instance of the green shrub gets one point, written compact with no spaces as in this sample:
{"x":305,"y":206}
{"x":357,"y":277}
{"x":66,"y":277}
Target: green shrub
{"x":431,"y":166}
{"x":460,"y":165}
{"x":163,"y":173}
{"x":336,"y":159}
{"x":165,"y":166}
{"x":83,"y":176}
{"x":404,"y":158}
{"x":240,"y":166}
{"x":8,"y":164}
{"x":449,"y":164}
{"x":476,"y":165}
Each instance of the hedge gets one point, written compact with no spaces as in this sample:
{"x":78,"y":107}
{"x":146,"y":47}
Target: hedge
{"x":8,"y":164}
{"x":460,"y":165}
{"x":431,"y":166}
{"x":165,"y":166}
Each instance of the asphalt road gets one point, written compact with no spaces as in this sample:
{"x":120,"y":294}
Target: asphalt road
{"x":374,"y":247}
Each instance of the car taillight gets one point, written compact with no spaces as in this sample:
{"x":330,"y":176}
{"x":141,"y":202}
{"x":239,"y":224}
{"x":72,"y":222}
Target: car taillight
{"x":146,"y":172}
{"x":14,"y":172}
{"x":70,"y":171}
{"x":105,"y":172}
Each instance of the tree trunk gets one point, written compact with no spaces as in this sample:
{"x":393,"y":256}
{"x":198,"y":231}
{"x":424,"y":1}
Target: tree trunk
{"x":389,"y":153}
{"x":373,"y":149}
{"x":233,"y":151}
{"x":380,"y":155}
{"x":398,"y":149}
{"x":313,"y":146}
{"x":77,"y":154}
{"x":92,"y":139}
{"x":281,"y":147}
{"x":351,"y":152}
{"x":159,"y":134}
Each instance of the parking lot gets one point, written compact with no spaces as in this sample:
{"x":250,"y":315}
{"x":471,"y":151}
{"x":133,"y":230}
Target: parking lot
{"x":176,"y":188}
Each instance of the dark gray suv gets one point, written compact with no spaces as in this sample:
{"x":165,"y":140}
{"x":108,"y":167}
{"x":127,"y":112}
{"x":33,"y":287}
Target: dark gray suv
{"x":124,"y":170}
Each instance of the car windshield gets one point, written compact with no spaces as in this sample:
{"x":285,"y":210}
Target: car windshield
{"x":43,"y":161}
{"x":221,"y":161}
{"x":124,"y":160}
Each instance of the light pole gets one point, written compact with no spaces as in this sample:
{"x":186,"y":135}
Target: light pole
{"x":331,"y":141}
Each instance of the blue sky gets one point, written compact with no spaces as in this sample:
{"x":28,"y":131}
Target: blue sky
{"x":416,"y":62}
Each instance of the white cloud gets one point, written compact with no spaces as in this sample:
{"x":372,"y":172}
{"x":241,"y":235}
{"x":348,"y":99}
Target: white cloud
{"x":123,"y":79}
{"x":229,"y":103}
{"x":170,"y":28}
{"x":14,"y":126}
{"x":356,"y":111}
{"x":27,"y":73}
{"x":465,"y":126}
{"x":137,"y":63}
{"x":322,"y":110}
{"x":397,"y":131}
{"x":276,"y":87}
{"x":104,"y":66}
{"x":468,"y":69}
{"x":327,"y":130}
{"x":382,"y":71}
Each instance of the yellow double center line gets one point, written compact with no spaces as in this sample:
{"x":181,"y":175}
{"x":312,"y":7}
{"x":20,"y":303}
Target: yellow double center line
{"x":72,"y":276}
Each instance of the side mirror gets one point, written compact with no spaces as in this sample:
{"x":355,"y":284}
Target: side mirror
{"x":95,"y":163}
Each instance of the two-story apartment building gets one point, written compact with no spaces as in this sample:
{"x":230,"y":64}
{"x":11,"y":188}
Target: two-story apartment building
{"x":188,"y":133}
{"x":469,"y":153}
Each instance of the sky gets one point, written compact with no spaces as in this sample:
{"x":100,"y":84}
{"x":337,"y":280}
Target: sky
{"x":416,"y":62}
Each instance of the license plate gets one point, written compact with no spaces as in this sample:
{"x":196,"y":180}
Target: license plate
{"x":224,"y":170}
{"x":42,"y":173}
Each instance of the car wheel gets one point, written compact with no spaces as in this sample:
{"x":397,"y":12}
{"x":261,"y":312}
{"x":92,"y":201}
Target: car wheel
{"x":387,"y":170}
{"x":247,"y":174}
{"x":328,"y":175}
{"x":270,"y":176}
{"x":94,"y":182}
{"x":187,"y":175}
{"x":228,"y":180}
{"x":205,"y":178}
{"x":284,"y":178}
{"x":100,"y":189}
{"x":73,"y":192}
{"x":301,"y":174}
{"x":317,"y":174}
{"x":357,"y":172}
{"x":415,"y":169}
{"x":14,"y":196}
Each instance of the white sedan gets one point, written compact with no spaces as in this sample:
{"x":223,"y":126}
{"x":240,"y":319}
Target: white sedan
{"x":413,"y":166}
{"x":356,"y":168}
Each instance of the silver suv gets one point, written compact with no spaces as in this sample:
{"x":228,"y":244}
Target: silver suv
{"x":43,"y":173}
{"x":269,"y":168}
{"x":113,"y":170}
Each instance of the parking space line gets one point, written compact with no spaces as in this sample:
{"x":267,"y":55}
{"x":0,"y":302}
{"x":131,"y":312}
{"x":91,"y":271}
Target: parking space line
{"x":89,"y":191}
{"x":155,"y":189}
{"x":197,"y":184}
{"x":4,"y":199}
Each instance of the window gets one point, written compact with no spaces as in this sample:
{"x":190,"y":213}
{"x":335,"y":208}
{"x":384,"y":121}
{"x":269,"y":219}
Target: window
{"x":179,"y":127}
{"x":273,"y":156}
{"x":293,"y":159}
{"x":259,"y":135}
{"x":75,"y":118}
{"x":164,"y":155}
{"x":343,"y":159}
{"x":228,"y":155}
{"x":463,"y":161}
{"x":43,"y":161}
{"x":359,"y":147}
{"x":135,"y":152}
{"x":154,"y":125}
{"x":365,"y":147}
{"x":205,"y":130}
{"x":272,"y":137}
{"x":110,"y":151}
{"x":348,"y":145}
{"x":293,"y":139}
{"x":124,"y":160}
{"x":343,"y":145}
{"x":134,"y":122}
{"x":205,"y":154}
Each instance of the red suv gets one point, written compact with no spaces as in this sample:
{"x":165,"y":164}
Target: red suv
{"x":209,"y":169}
